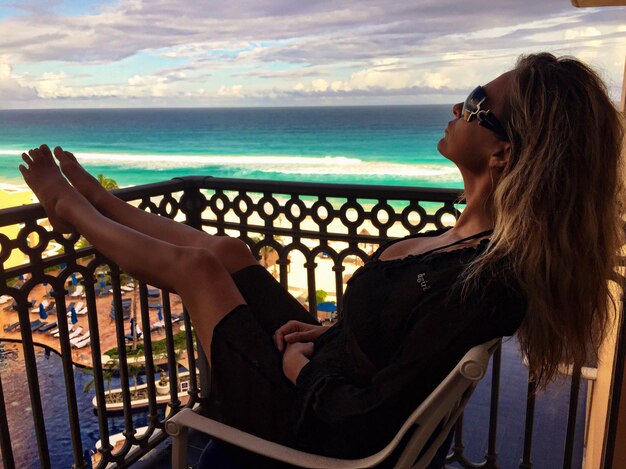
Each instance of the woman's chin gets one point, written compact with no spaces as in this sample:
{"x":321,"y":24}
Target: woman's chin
{"x":441,"y":146}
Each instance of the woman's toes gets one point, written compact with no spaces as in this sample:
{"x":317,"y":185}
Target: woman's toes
{"x":64,"y":156}
{"x":27,"y":159}
{"x":61,"y":154}
{"x":45,"y":150}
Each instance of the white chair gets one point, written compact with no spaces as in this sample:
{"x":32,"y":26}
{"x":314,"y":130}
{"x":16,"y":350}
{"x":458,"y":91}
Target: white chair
{"x":76,"y":340}
{"x":76,"y":332}
{"x":434,"y":417}
{"x":56,"y":333}
{"x":45,"y":307}
{"x":82,"y":343}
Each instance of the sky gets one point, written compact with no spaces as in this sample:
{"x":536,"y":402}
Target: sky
{"x":237,"y":53}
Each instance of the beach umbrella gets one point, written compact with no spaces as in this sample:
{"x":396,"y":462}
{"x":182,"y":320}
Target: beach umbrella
{"x":42,"y":311}
{"x":74,"y":317}
{"x":159,"y":314}
{"x":327,"y":307}
{"x":103,"y":282}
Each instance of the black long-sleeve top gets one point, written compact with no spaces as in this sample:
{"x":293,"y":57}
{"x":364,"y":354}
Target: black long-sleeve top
{"x":406,"y":323}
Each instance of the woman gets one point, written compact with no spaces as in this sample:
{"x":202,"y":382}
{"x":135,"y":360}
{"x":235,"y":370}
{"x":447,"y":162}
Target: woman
{"x":539,"y":149}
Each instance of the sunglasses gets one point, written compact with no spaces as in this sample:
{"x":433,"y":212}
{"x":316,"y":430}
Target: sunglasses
{"x":471,"y":109}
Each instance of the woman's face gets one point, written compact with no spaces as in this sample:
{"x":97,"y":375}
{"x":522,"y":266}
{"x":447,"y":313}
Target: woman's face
{"x":468,"y":144}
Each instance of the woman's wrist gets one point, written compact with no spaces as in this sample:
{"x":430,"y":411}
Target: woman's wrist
{"x":295,"y":358}
{"x":293,"y":365}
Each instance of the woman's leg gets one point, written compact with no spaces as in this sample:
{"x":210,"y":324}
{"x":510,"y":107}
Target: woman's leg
{"x":148,"y":223}
{"x":203,"y":282}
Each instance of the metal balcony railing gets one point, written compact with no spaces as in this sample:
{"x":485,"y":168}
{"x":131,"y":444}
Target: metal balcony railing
{"x":297,"y":223}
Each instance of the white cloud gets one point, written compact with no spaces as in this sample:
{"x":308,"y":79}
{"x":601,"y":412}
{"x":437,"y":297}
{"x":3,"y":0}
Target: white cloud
{"x":319,"y":85}
{"x":373,"y":78}
{"x":10,"y":87}
{"x":435,"y":80}
{"x":385,"y":74}
{"x":233,"y":91}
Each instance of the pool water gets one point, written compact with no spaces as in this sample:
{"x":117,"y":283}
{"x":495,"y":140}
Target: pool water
{"x":55,"y":407}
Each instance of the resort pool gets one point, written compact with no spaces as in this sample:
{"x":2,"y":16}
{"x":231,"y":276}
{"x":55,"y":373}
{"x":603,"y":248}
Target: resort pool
{"x":54,"y":403}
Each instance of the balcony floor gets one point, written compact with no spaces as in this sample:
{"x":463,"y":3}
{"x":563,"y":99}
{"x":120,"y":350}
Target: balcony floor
{"x":550,"y":422}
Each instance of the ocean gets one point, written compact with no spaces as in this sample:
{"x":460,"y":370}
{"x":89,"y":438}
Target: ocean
{"x":391,"y":145}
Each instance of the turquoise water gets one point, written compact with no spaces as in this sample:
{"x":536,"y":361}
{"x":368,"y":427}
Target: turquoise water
{"x":395,"y":145}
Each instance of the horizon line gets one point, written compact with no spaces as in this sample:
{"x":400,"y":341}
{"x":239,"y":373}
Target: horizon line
{"x":219,"y":107}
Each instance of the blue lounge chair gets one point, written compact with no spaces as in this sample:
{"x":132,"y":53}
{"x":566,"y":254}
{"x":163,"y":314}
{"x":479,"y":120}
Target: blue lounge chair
{"x":12,"y":327}
{"x":126,"y":303}
{"x":37,"y":324}
{"x":48,"y":326}
{"x":13,"y":306}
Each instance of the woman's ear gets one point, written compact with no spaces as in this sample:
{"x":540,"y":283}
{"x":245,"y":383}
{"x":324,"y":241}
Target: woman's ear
{"x":501,"y":155}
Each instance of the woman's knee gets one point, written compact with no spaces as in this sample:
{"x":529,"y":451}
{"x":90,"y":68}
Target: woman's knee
{"x":194,"y":263}
{"x":233,"y":253}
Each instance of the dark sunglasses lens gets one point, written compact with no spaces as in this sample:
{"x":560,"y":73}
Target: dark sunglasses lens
{"x":473,"y":99}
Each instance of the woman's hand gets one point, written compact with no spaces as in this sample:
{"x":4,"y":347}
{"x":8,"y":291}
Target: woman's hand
{"x":296,"y":331}
{"x":295,"y":357}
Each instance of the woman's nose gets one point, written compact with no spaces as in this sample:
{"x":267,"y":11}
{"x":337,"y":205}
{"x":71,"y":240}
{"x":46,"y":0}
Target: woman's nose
{"x":456,"y":110}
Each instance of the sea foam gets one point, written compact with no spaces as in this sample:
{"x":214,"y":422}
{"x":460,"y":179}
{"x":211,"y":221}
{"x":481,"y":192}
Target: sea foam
{"x":332,"y":166}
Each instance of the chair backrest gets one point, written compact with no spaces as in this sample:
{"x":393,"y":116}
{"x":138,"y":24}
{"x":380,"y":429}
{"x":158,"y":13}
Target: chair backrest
{"x":436,"y":415}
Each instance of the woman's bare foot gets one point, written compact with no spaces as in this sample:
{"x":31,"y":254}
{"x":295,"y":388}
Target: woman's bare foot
{"x":44,"y":178}
{"x":84,"y":182}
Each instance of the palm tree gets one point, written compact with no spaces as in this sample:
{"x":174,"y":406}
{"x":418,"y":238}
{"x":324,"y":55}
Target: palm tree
{"x":108,"y":183}
{"x":107,"y":375}
{"x":134,"y":370}
{"x":266,"y":252}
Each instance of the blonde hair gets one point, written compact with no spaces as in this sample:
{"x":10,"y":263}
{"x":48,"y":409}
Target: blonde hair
{"x":559,"y":209}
